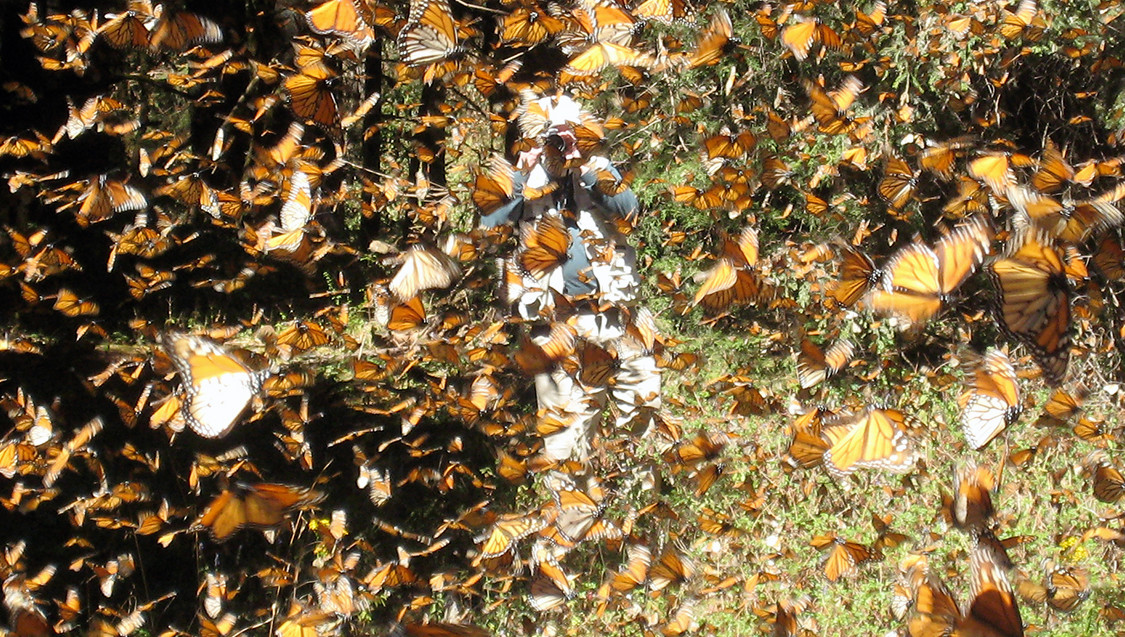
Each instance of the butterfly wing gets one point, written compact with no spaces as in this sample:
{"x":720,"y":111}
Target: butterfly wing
{"x":878,"y":439}
{"x":993,"y":400}
{"x":217,"y":387}
{"x":1034,"y":302}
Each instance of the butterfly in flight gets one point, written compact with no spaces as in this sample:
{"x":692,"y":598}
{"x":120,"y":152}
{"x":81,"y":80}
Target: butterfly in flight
{"x":216,"y":386}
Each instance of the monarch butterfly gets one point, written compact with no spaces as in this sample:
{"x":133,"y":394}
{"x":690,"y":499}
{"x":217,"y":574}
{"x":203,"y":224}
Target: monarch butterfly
{"x":993,"y":169}
{"x":311,"y":96}
{"x":20,"y":147}
{"x":430,"y":34}
{"x":843,"y":556}
{"x":297,"y":209}
{"x":1026,"y":21}
{"x":70,"y":304}
{"x":729,"y":146}
{"x":940,"y":157}
{"x":105,"y":197}
{"x":992,"y":401}
{"x":807,"y":448}
{"x":424,"y":267}
{"x":506,"y":531}
{"x":665,"y":11}
{"x":775,"y":173}
{"x":177,"y":30}
{"x":1107,"y":481}
{"x":81,"y":438}
{"x":498,"y":192}
{"x":1034,"y":301}
{"x":972,"y":198}
{"x":869,"y":23}
{"x":549,"y":593}
{"x":713,"y":41}
{"x":396,"y":316}
{"x":1064,"y":405}
{"x":129,"y":29}
{"x":592,"y":21}
{"x":543,"y":353}
{"x":805,"y":32}
{"x":857,"y":275}
{"x":682,"y":620}
{"x":529,"y":25}
{"x":341,"y":17}
{"x":706,"y":478}
{"x":731,"y":279}
{"x":971,"y":506}
{"x":920,"y":279}
{"x":1064,"y":588}
{"x":701,"y":199}
{"x":785,"y":622}
{"x":595,"y":365}
{"x":829,"y":108}
{"x":936,"y":611}
{"x":594,"y":59}
{"x":635,"y":571}
{"x":702,"y":448}
{"x":673,"y":567}
{"x":1086,"y":218}
{"x":262,"y":505}
{"x":993,"y":609}
{"x":94,"y":111}
{"x":546,"y":245}
{"x":815,"y":365}
{"x":579,"y":513}
{"x":1067,"y":587}
{"x":216,"y":386}
{"x":301,"y":336}
{"x":1052,"y":172}
{"x":877,"y":439}
{"x":898,"y":183}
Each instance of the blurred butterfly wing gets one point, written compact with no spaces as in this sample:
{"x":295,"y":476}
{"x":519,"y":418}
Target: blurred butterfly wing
{"x":545,"y":246}
{"x":912,"y":289}
{"x":265,"y":504}
{"x":546,"y":594}
{"x":423,"y":268}
{"x":713,"y":42}
{"x":297,"y":209}
{"x":807,"y":449}
{"x":177,"y":30}
{"x":800,"y":36}
{"x":506,"y":532}
{"x":1034,"y":303}
{"x":225,"y":515}
{"x":878,"y":440}
{"x":993,"y":604}
{"x":843,"y":558}
{"x":961,"y":251}
{"x":341,"y":17}
{"x":672,"y":567}
{"x":636,"y":568}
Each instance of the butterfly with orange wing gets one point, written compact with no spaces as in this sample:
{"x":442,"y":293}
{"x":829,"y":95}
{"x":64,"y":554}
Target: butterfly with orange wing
{"x":992,"y":401}
{"x":919,"y":280}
